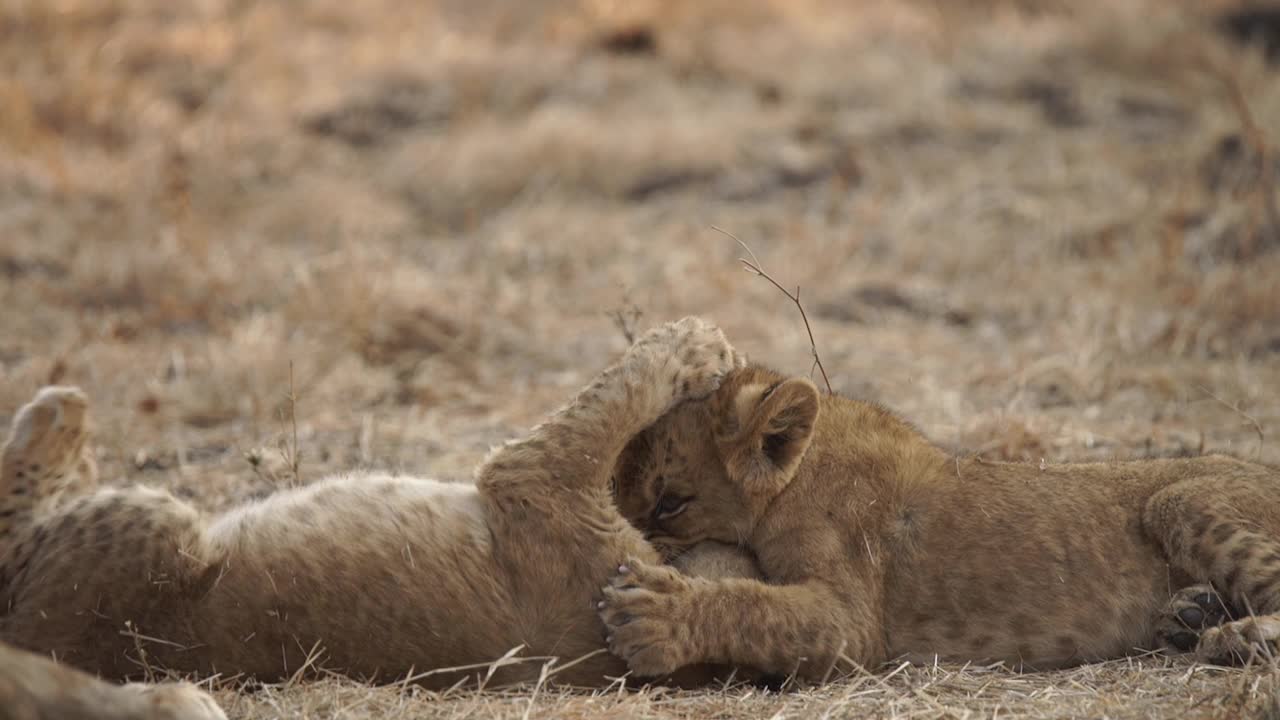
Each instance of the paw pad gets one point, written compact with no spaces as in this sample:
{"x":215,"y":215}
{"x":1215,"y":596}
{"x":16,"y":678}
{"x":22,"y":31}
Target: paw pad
{"x":1190,"y":612}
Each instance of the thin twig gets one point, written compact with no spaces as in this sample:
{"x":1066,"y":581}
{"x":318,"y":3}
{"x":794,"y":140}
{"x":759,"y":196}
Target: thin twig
{"x":293,"y":419}
{"x":754,"y":266}
{"x":290,"y":454}
{"x":626,"y":318}
{"x":1235,"y":408}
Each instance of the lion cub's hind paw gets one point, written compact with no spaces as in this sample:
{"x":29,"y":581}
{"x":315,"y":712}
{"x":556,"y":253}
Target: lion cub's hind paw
{"x":47,"y":435}
{"x":1240,"y":642}
{"x":1190,"y":612}
{"x":691,"y":357}
{"x":1199,"y":619}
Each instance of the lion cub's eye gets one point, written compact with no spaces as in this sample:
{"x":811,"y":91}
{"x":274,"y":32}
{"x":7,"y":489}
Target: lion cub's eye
{"x":670,"y":506}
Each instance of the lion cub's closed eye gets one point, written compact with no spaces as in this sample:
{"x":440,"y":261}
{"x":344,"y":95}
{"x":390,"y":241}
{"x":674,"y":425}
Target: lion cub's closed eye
{"x":670,"y":505}
{"x":708,"y":468}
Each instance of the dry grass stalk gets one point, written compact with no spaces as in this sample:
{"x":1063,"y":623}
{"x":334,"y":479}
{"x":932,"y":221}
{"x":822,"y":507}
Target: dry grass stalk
{"x":289,"y":451}
{"x":313,"y":658}
{"x":1235,"y":408}
{"x":626,"y":318}
{"x":754,"y":266}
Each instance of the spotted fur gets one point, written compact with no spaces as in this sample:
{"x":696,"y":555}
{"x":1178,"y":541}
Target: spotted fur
{"x":371,"y":575}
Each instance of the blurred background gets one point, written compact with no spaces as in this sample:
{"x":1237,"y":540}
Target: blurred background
{"x":280,"y":239}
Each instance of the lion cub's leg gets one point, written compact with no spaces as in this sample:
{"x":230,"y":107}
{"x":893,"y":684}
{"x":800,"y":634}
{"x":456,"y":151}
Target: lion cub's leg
{"x":35,"y":687}
{"x":578,"y":446}
{"x":46,"y":454}
{"x":1226,"y":530}
{"x":659,"y":620}
{"x":90,"y":578}
{"x":550,"y":504}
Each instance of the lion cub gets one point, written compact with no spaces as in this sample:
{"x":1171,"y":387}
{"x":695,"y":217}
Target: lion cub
{"x":369,"y":575}
{"x":878,"y":545}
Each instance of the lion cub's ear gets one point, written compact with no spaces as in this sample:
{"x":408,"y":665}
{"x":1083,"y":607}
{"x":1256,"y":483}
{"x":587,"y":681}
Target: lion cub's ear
{"x":764,"y":432}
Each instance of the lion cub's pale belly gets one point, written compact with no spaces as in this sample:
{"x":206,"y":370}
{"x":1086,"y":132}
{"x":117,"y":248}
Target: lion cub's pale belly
{"x":383,"y":574}
{"x":1040,"y":577}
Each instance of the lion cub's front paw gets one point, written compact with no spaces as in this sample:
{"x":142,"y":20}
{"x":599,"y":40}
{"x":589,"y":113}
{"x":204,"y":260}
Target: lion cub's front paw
{"x":690,"y":357}
{"x":643,"y":610}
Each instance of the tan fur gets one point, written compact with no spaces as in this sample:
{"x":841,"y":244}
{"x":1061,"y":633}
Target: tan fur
{"x":36,"y":688}
{"x":878,"y":545}
{"x":371,"y":575}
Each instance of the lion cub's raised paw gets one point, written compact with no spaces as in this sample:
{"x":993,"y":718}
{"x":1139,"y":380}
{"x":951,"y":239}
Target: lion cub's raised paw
{"x":641,"y":610}
{"x":47,"y":438}
{"x":687,"y":359}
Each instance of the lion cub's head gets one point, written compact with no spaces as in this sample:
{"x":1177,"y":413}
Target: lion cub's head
{"x":708,"y":469}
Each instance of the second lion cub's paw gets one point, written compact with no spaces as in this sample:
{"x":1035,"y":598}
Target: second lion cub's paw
{"x":643,"y":610}
{"x":690,"y":357}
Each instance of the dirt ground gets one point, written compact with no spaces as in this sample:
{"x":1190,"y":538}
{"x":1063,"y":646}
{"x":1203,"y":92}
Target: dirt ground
{"x":279,"y":240}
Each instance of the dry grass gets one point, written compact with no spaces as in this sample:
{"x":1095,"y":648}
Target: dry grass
{"x":1038,"y":229}
{"x":1133,"y":688}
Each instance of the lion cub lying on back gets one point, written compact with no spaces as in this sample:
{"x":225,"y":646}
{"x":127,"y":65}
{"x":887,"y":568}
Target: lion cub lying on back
{"x":369,"y":575}
{"x":878,"y":545}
